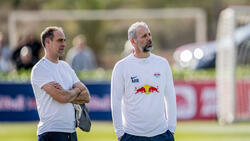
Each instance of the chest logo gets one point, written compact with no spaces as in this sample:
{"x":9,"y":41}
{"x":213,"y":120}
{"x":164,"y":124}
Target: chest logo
{"x":146,"y":89}
{"x":157,"y":75}
{"x":134,"y":79}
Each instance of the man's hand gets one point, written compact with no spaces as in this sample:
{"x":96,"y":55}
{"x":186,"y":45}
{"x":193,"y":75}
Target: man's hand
{"x":119,"y":138}
{"x":84,"y":96}
{"x":81,"y":98}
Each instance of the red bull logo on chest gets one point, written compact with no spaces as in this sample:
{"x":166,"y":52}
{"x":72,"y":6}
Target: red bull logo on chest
{"x":146,"y":89}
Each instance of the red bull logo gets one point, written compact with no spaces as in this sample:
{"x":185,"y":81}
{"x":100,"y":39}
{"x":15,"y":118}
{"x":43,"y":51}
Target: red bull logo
{"x":146,"y":89}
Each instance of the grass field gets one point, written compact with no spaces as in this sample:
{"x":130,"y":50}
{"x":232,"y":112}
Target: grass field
{"x":103,"y":131}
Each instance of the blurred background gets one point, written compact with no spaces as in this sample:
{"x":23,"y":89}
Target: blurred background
{"x":107,"y":37}
{"x":206,"y":43}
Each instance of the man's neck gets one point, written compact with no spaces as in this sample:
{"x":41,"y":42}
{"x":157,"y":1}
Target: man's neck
{"x":141,"y":54}
{"x":52,"y":59}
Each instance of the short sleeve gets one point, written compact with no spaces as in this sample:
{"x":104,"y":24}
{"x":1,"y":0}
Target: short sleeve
{"x":74,"y":76}
{"x":72,"y":73}
{"x":40,"y":77}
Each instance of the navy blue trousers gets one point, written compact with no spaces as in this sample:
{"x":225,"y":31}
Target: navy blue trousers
{"x":167,"y":136}
{"x":57,"y":136}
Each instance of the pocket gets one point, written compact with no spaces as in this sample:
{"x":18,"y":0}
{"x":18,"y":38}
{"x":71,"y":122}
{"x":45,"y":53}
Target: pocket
{"x":170,"y":135}
{"x":43,"y":137}
{"x":123,"y":137}
{"x":127,"y":137}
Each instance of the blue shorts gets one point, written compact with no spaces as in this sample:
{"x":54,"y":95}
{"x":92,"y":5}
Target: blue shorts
{"x":57,"y":136}
{"x":167,"y":136}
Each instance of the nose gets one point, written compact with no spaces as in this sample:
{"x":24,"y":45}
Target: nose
{"x":64,"y":43}
{"x":149,"y":37}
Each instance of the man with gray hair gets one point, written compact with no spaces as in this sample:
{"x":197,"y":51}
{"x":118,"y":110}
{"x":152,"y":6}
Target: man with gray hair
{"x":143,"y":100}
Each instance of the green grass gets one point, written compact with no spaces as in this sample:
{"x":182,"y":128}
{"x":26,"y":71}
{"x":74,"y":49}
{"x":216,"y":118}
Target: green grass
{"x":212,"y":131}
{"x":103,"y":131}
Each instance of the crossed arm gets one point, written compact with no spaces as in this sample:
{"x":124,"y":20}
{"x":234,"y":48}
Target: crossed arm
{"x":84,"y":96}
{"x":79,"y":93}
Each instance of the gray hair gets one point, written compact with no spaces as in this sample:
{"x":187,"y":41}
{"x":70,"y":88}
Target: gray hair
{"x":132,"y":29}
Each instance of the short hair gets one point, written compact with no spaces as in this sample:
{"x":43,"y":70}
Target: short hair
{"x":132,"y":29}
{"x":48,"y":32}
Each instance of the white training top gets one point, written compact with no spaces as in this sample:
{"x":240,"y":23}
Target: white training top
{"x":54,"y":116}
{"x":141,"y":91}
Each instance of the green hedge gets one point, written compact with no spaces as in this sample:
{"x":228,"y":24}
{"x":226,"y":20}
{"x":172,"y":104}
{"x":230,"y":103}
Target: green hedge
{"x":242,"y":72}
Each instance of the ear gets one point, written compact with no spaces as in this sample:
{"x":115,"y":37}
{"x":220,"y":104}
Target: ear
{"x":133,"y":42}
{"x":47,"y":41}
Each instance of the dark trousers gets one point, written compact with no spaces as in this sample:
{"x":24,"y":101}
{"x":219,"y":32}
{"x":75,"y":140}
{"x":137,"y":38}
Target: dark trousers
{"x":167,"y":136}
{"x":57,"y":136}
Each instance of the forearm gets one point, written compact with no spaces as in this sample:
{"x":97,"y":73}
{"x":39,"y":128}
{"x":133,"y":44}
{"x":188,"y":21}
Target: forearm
{"x":81,"y":99}
{"x":171,"y":111}
{"x":116,"y":98}
{"x":117,"y":117}
{"x":171,"y":103}
{"x":84,"y":96}
{"x":56,"y":91}
{"x":172,"y":115}
{"x":69,"y":95}
{"x":117,"y":91}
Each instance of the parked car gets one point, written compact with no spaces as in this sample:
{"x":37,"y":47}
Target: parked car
{"x":203,"y":55}
{"x":196,"y":55}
